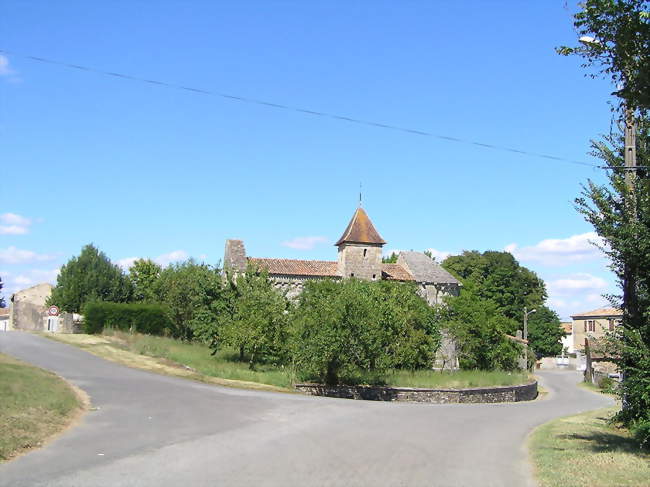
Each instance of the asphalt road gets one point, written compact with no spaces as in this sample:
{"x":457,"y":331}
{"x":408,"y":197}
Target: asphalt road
{"x":153,"y":430}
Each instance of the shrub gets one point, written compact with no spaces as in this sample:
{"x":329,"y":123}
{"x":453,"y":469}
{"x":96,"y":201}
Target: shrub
{"x":342,"y":328}
{"x":149,"y":318}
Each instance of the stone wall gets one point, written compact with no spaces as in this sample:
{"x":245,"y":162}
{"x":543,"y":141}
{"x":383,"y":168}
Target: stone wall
{"x":362,"y":261}
{"x":524,"y":392}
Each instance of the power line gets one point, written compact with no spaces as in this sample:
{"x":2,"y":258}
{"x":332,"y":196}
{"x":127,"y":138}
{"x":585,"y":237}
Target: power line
{"x":303,"y":110}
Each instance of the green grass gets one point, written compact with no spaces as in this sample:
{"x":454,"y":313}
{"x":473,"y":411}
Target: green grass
{"x":34,"y":404}
{"x":199,"y":357}
{"x":225,"y":364}
{"x":586,"y":450}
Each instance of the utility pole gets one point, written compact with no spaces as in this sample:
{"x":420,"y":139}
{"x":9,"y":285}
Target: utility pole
{"x":630,"y":153}
{"x":526,"y":313}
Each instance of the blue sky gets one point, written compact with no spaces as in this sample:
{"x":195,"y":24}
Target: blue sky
{"x":148,"y":171}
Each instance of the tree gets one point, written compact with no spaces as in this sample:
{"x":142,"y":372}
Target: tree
{"x":480,"y":329}
{"x":500,"y":279}
{"x":2,"y":299}
{"x":391,"y":259}
{"x":143,"y":274}
{"x":545,"y":332}
{"x":621,"y":46}
{"x":194,"y":294}
{"x":341,"y":329}
{"x":620,"y":214}
{"x":254,"y":319}
{"x":89,"y":277}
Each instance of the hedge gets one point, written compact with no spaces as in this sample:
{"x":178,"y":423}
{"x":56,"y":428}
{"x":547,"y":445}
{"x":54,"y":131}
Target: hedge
{"x":147,"y":318}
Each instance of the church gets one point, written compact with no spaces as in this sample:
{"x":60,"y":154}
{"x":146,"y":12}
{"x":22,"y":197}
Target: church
{"x":359,"y":256}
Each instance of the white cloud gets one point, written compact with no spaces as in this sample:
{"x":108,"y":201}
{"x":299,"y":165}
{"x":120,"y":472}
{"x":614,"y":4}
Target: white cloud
{"x":175,"y":256}
{"x":13,"y":224}
{"x":26,"y":279}
{"x":163,"y":260}
{"x":304,"y":243}
{"x":576,"y":293}
{"x":5,"y":70}
{"x":577,"y":283}
{"x":560,"y":252}
{"x":127,"y":262}
{"x":12,"y":255}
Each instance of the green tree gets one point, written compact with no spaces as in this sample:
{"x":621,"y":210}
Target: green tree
{"x":500,"y":279}
{"x":480,"y":328}
{"x":143,"y":274}
{"x":545,"y":332}
{"x":254,"y":319}
{"x":620,"y":214}
{"x":391,"y":259}
{"x":89,"y":277}
{"x":621,"y":46}
{"x":342,"y":328}
{"x":194,"y":294}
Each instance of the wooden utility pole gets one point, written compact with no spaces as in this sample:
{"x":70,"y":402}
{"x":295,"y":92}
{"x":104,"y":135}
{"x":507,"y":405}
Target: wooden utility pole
{"x":630,"y":152}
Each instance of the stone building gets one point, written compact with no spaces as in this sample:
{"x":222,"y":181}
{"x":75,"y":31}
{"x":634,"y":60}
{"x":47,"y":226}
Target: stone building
{"x":28,"y":311}
{"x":594,"y":325}
{"x":359,"y":256}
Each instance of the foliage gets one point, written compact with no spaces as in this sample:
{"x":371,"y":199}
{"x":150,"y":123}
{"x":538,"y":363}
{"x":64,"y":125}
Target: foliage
{"x":147,"y":318}
{"x":621,"y":50}
{"x":620,"y":215}
{"x":193,"y":293}
{"x":143,"y":274}
{"x":500,"y":279}
{"x":545,"y":332}
{"x":341,"y":328}
{"x":391,"y":259}
{"x":480,"y":329}
{"x":254,"y":319}
{"x":89,"y":277}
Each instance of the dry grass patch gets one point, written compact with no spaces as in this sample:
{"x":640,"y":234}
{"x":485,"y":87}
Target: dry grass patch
{"x":585,"y":450}
{"x":34,"y":405}
{"x":172,"y":357}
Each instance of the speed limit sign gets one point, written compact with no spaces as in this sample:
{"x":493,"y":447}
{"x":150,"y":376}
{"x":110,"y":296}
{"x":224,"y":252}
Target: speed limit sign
{"x":53,"y":311}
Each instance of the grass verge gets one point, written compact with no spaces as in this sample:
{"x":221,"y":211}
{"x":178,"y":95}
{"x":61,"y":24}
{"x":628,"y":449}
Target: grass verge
{"x":586,"y":450}
{"x":34,"y":405}
{"x":195,"y":361}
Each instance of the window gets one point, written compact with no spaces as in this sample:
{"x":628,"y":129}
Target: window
{"x":351,"y":274}
{"x":374,"y":276}
{"x":365,"y":252}
{"x":592,"y":325}
{"x":585,"y":326}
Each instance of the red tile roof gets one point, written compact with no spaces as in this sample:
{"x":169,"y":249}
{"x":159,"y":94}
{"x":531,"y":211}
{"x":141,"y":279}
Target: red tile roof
{"x":361,"y":230}
{"x":600,"y":312}
{"x":4,"y":311}
{"x":395,"y":272}
{"x":290,"y":267}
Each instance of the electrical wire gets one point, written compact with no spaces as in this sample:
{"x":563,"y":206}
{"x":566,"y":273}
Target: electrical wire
{"x":304,"y":110}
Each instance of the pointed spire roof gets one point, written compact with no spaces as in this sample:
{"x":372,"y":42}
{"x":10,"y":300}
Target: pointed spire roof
{"x":360,"y":230}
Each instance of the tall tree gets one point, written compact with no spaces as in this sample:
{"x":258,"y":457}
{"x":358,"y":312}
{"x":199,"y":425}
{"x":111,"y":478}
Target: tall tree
{"x":143,"y":274}
{"x":89,"y":277}
{"x":194,"y":294}
{"x":620,"y":213}
{"x":497,"y":277}
{"x":618,"y":46}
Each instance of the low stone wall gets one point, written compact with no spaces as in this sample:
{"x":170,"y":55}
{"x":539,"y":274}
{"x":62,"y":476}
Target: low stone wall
{"x":524,"y":392}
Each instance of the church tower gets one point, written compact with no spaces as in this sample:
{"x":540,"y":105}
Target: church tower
{"x":360,"y":249}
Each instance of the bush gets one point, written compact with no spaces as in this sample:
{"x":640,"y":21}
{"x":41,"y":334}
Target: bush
{"x":147,"y":318}
{"x":341,"y":329}
{"x":641,"y":431}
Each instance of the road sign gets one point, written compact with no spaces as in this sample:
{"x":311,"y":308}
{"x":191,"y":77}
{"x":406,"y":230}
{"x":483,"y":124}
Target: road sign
{"x":53,"y":311}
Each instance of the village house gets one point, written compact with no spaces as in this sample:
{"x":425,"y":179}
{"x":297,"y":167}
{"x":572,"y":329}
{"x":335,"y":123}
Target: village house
{"x":594,"y":325}
{"x":29,"y":311}
{"x":359,"y":256}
